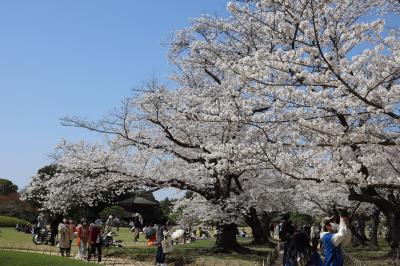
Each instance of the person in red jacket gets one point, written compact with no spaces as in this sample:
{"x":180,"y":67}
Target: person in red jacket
{"x":95,"y":240}
{"x":82,"y":233}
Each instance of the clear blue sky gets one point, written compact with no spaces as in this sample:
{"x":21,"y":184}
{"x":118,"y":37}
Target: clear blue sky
{"x":72,"y":57}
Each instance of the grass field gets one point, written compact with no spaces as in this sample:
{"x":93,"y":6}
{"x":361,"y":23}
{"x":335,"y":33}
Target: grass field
{"x":371,"y":257}
{"x":15,"y":258}
{"x":11,"y":239}
{"x":198,"y":252}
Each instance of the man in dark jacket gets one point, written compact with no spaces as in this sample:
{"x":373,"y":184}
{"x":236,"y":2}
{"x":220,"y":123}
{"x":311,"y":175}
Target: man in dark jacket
{"x":287,"y":232}
{"x":137,"y":225}
{"x":54,"y":229}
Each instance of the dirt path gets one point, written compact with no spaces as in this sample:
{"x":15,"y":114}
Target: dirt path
{"x":279,"y":260}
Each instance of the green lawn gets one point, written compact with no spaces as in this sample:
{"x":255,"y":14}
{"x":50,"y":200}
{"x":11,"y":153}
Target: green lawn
{"x":15,"y":258}
{"x":11,"y":239}
{"x":371,"y":257}
{"x":198,"y":252}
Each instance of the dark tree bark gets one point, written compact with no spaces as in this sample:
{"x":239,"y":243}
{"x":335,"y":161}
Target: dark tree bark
{"x":374,"y":229}
{"x":390,"y":207}
{"x":226,"y":239}
{"x":259,"y":228}
{"x":393,"y":236}
{"x":361,"y":229}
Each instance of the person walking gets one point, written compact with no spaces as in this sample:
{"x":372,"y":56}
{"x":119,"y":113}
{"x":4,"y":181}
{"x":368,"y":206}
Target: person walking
{"x":95,"y":240}
{"x":82,"y":233}
{"x":109,"y":224}
{"x":286,"y":234}
{"x":300,"y":253}
{"x":137,"y":226}
{"x":64,"y":238}
{"x":117,"y":223}
{"x":333,"y":240}
{"x":71,"y":230}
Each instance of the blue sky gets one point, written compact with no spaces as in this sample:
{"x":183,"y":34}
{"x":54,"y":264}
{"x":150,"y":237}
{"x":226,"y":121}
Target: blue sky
{"x":71,"y":57}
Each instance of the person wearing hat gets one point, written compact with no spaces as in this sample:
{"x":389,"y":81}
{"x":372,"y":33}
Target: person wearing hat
{"x":82,"y":233}
{"x":332,"y":240}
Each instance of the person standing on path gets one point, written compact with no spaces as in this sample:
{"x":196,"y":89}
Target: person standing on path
{"x":71,"y":230}
{"x":54,"y":230}
{"x":82,"y":233}
{"x":315,"y":235}
{"x":300,"y":253}
{"x":95,"y":240}
{"x":286,"y":234}
{"x":333,"y":240}
{"x":162,"y":230}
{"x":64,"y":237}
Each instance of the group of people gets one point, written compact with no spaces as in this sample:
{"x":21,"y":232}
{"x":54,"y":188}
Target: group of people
{"x":26,"y":228}
{"x":330,"y":238}
{"x":88,"y":238}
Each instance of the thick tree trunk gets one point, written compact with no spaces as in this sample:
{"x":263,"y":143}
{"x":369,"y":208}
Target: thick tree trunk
{"x":226,"y":238}
{"x":259,"y":230}
{"x":393,"y":234}
{"x":374,"y":229}
{"x":361,"y":229}
{"x":389,"y":207}
{"x":266,"y":219}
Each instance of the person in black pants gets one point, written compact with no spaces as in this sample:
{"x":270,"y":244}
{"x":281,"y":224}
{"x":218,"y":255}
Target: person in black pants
{"x":54,"y":230}
{"x":286,"y":235}
{"x":160,"y":255}
{"x":95,"y":240}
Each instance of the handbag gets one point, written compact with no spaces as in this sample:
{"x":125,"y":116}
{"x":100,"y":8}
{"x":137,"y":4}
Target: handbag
{"x":167,"y":245}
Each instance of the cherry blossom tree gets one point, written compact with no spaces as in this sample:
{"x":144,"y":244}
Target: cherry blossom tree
{"x":325,"y":75}
{"x":305,"y":90}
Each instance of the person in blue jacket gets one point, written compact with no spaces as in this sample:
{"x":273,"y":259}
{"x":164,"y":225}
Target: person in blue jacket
{"x":332,"y":240}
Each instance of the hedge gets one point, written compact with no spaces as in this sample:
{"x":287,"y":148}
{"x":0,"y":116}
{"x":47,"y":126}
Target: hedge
{"x":6,"y":221}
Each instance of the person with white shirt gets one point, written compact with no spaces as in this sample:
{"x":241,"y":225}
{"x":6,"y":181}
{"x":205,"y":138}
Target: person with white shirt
{"x":336,"y":236}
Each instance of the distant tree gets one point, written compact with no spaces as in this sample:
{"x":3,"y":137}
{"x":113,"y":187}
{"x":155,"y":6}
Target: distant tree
{"x":7,"y":187}
{"x":115,"y":211}
{"x":167,"y":206}
{"x":11,"y":205}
